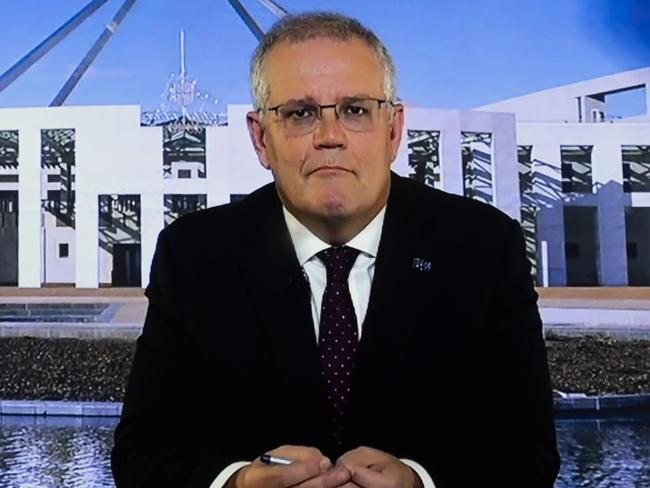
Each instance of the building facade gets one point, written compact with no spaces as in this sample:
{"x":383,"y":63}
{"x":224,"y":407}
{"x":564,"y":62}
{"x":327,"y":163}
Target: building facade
{"x":84,"y":191}
{"x":585,"y":181}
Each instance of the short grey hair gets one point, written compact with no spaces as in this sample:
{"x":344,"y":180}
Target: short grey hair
{"x":314,"y":25}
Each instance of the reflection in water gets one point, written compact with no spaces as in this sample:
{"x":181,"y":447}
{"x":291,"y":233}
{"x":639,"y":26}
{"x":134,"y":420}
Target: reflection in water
{"x":604,"y":453}
{"x":49,"y":452}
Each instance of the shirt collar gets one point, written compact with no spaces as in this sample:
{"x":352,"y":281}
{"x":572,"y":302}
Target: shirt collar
{"x":307,"y":244}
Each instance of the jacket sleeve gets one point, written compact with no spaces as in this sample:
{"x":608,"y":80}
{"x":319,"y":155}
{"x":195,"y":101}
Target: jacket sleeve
{"x":514,"y":396}
{"x":159,"y":441}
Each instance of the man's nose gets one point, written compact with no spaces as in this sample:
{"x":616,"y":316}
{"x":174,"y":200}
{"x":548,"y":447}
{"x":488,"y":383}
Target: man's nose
{"x":329,"y":133}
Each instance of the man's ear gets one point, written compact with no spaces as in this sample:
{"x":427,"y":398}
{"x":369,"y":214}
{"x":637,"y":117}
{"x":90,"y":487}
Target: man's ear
{"x":256,"y":132}
{"x":396,"y":129}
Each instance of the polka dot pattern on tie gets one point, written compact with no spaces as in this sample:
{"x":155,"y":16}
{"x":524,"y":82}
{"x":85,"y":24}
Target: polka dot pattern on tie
{"x":338,"y":336}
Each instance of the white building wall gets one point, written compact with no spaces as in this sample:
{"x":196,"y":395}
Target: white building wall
{"x":560,"y":104}
{"x":450,"y":123}
{"x":30,"y":236}
{"x":115,"y":155}
{"x":59,"y":269}
{"x":608,"y":196}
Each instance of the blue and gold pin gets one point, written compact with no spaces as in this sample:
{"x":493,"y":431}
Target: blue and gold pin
{"x":420,"y":264}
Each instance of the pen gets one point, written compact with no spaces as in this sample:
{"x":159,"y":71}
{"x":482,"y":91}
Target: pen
{"x":268,"y":459}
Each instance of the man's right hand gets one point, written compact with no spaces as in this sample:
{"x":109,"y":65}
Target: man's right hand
{"x":310,"y":469}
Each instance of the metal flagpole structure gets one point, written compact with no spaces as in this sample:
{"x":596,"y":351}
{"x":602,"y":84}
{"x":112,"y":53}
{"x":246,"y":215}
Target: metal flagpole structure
{"x":44,"y":47}
{"x":88,"y":59}
{"x":27,"y":61}
{"x":247,"y":19}
{"x":274,"y":7}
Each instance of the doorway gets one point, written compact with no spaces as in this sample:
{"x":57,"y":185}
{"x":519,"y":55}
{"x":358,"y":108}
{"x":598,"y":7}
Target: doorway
{"x":126,"y":265}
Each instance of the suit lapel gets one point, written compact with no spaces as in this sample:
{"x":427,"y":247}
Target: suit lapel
{"x":281,"y":296}
{"x":405,"y":272}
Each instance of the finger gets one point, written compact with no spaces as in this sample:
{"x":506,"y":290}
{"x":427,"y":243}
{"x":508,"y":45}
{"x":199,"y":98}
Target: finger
{"x":364,"y":456}
{"x":356,"y":454}
{"x":333,"y":478}
{"x":297,"y":453}
{"x":308,"y":464}
{"x":310,"y":473}
{"x":372,"y":463}
{"x":369,"y":478}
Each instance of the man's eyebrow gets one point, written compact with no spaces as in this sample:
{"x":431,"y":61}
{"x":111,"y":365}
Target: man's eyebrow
{"x":300,"y":100}
{"x":312,"y":100}
{"x":360,"y":96}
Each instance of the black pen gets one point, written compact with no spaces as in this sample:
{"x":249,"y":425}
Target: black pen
{"x":268,"y":459}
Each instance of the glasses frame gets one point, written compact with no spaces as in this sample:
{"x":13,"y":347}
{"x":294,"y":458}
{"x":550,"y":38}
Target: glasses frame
{"x":319,"y":114}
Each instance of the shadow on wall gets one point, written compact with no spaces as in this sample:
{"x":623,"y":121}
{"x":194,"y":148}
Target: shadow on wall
{"x":584,"y":234}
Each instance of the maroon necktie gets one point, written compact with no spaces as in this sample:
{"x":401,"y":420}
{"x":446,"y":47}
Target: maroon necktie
{"x":338,"y":336}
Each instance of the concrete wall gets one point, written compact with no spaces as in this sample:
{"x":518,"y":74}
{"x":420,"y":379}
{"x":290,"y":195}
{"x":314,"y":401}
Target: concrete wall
{"x":608,"y":196}
{"x":58,"y":269}
{"x":115,"y":155}
{"x":450,"y":123}
{"x":561,"y":105}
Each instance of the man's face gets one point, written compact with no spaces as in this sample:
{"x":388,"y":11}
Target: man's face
{"x":331,"y":173}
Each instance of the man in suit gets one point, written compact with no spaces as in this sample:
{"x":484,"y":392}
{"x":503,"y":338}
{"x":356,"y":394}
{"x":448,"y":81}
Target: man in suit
{"x":376,"y":332}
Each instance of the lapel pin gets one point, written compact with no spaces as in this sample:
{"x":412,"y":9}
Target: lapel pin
{"x":421,"y":265}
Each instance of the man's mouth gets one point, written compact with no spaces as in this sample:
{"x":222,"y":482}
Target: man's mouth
{"x":330,"y":170}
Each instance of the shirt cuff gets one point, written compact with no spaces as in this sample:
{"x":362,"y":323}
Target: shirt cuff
{"x":227,"y":472}
{"x":427,"y":482}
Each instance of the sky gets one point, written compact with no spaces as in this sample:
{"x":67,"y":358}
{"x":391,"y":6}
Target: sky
{"x":449,"y":53}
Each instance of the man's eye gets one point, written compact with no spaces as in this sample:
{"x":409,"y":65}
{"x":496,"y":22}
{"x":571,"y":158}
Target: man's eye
{"x":355,"y":110}
{"x":300,"y":113}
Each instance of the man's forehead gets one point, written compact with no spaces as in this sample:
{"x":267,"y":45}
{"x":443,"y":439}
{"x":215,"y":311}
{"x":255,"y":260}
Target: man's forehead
{"x":308,"y":48}
{"x":324,"y":64}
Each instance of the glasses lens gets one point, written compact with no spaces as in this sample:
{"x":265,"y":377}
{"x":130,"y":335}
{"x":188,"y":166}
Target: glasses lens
{"x":298,"y":118}
{"x":359,"y":115}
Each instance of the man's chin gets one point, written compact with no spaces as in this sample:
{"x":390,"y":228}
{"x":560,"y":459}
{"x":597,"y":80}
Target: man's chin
{"x":332,"y":208}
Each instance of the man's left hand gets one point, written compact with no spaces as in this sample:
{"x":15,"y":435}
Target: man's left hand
{"x":372,"y":468}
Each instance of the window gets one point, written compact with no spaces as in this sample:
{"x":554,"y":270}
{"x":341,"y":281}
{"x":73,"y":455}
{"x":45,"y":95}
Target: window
{"x":524,"y":157}
{"x":184,"y":173}
{"x":105,"y":212}
{"x":476,"y":153}
{"x":177,"y":205}
{"x":183,"y":144}
{"x":63,"y":250}
{"x":237,"y":197}
{"x":636,"y":168}
{"x":576,"y":169}
{"x":597,"y":115}
{"x":424,"y":156}
{"x":9,"y":149}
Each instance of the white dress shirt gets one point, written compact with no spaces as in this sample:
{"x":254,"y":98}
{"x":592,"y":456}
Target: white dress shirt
{"x":307,"y":245}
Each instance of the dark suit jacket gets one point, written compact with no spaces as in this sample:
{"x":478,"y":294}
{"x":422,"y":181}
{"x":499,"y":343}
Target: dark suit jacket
{"x":451,"y":370}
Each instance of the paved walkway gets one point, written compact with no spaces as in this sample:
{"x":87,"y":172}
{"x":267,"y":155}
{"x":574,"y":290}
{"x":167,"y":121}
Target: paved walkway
{"x":623,"y":313}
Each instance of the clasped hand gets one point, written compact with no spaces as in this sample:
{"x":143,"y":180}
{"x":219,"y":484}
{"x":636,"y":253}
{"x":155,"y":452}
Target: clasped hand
{"x":361,"y":467}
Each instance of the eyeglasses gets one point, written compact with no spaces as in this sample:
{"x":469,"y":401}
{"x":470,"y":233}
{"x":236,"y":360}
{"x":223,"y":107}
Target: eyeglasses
{"x":354,"y":114}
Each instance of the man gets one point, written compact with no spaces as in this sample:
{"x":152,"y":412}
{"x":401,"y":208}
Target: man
{"x":335,"y":317}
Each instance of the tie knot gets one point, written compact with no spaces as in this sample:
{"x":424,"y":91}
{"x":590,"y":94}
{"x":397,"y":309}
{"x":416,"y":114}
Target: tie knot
{"x":338,"y":261}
